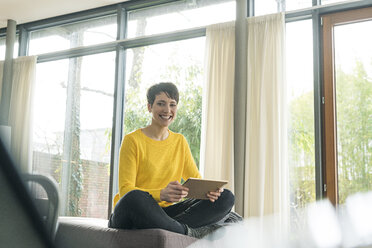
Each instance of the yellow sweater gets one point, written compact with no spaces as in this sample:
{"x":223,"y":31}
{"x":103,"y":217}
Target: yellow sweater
{"x":149,"y":165}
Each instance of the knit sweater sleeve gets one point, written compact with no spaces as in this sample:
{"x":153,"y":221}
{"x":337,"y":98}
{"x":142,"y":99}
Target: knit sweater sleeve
{"x":128,"y":167}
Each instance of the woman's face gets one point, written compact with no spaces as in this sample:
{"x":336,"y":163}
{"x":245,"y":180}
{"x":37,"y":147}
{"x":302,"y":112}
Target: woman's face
{"x":164,"y":110}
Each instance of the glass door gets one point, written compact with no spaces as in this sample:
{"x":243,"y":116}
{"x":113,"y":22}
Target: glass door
{"x":347,"y":102}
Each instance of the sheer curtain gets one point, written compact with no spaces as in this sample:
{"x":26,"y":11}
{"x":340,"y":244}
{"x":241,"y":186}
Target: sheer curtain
{"x":24,"y":69}
{"x":217,"y":155}
{"x":266,"y":139}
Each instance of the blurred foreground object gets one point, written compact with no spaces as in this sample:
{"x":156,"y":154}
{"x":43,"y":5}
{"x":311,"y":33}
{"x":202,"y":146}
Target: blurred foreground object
{"x":20,"y":225}
{"x":322,"y":226}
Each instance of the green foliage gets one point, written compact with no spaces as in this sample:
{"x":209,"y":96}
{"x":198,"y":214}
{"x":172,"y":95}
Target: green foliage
{"x":75,"y":163}
{"x":76,"y":188}
{"x":354,"y":131}
{"x":76,"y":178}
{"x":136,"y":114}
{"x":301,"y":157}
{"x":108,"y":135}
{"x":188,"y":121}
{"x":354,"y":134}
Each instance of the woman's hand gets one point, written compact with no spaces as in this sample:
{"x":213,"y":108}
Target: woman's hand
{"x":174,"y":192}
{"x":213,"y":195}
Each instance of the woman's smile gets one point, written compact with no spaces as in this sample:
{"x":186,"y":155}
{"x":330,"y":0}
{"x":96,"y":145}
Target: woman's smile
{"x":166,"y":117}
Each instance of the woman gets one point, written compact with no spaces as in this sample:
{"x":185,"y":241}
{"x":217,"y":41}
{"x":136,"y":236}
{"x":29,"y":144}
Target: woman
{"x":152,"y":162}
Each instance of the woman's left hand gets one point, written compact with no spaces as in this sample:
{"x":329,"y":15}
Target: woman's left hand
{"x":213,"y":195}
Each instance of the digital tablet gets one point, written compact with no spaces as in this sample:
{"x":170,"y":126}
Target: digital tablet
{"x":198,"y":188}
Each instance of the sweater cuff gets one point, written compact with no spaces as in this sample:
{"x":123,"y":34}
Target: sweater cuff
{"x":155,"y":194}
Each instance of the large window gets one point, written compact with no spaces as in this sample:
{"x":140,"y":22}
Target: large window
{"x":68,"y":36}
{"x":348,"y":103}
{"x":301,"y":146}
{"x":72,"y":130}
{"x":179,"y":62}
{"x":343,"y":145}
{"x":353,"y":59}
{"x":75,"y":99}
{"x":179,"y":15}
{"x":265,"y":7}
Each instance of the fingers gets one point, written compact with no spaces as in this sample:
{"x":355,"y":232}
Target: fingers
{"x":177,"y":187}
{"x":174,"y":192}
{"x":213,"y":196}
{"x":176,"y":196}
{"x":174,"y":183}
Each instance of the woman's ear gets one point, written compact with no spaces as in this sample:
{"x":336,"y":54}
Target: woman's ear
{"x":149,"y":107}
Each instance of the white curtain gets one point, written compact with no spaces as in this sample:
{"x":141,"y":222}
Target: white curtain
{"x":217,"y":155}
{"x":266,"y":139}
{"x":24,"y":70}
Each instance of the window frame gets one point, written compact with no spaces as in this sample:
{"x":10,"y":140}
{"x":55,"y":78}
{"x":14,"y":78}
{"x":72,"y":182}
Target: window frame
{"x":329,"y":104}
{"x":121,"y":44}
{"x":316,"y":13}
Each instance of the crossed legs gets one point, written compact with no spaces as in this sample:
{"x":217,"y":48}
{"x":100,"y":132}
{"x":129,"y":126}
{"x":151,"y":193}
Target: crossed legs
{"x":138,"y":210}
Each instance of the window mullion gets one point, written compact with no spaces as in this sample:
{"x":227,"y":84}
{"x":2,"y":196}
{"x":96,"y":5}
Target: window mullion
{"x":23,"y":41}
{"x":317,"y":107}
{"x":117,"y":126}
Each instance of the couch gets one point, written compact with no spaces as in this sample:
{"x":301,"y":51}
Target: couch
{"x":80,"y":232}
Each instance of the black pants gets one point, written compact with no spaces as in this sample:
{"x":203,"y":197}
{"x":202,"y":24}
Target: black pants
{"x":139,"y":210}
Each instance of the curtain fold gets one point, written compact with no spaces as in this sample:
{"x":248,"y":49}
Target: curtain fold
{"x":266,"y":176}
{"x":217,"y":154}
{"x":24,"y":70}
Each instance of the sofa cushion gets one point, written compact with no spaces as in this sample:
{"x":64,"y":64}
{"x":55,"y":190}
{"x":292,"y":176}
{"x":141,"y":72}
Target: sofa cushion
{"x":93,"y":233}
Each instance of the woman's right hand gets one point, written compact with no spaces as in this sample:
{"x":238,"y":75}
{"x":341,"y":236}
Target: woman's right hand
{"x":174,"y":192}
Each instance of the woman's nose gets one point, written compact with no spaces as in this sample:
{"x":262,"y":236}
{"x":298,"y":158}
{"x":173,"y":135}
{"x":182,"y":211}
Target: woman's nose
{"x":166,"y":108}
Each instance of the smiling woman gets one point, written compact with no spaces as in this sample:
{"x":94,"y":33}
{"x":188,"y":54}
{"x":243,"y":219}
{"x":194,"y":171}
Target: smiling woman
{"x":74,"y":137}
{"x":180,"y":62}
{"x":152,"y":162}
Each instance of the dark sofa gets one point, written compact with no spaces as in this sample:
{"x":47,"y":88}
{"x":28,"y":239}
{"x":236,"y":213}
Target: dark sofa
{"x":75,"y":232}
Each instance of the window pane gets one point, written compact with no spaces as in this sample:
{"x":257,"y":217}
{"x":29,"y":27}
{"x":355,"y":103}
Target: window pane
{"x":301,"y":154}
{"x":353,"y":69}
{"x":324,"y":2}
{"x":265,"y":7}
{"x":297,"y":4}
{"x":2,"y":48}
{"x":73,"y":109}
{"x":64,"y":37}
{"x":178,"y":16}
{"x":179,"y":62}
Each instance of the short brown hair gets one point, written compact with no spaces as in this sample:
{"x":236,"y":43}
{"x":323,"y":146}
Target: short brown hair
{"x":168,"y":88}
